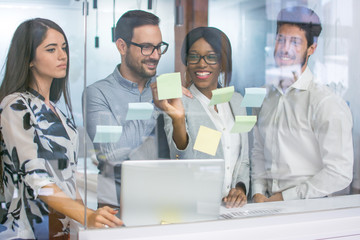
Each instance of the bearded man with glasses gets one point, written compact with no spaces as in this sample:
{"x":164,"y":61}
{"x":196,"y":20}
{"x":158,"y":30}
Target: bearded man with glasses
{"x":139,"y":42}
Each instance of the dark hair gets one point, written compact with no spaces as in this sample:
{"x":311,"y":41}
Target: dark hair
{"x":132,"y":19}
{"x":303,"y":17}
{"x":18,"y":75}
{"x":218,"y":41}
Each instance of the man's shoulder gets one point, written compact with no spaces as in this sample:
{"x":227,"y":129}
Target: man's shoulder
{"x":103,"y":83}
{"x":321,"y":91}
{"x":322,"y":96}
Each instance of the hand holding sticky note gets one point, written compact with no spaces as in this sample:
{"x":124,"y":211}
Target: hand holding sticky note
{"x":106,"y":134}
{"x":169,"y":86}
{"x":243,"y":124}
{"x":207,"y":140}
{"x":221,"y":95}
{"x":139,"y":111}
{"x":254,"y":97}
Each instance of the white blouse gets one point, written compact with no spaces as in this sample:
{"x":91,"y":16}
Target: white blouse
{"x":230,"y":142}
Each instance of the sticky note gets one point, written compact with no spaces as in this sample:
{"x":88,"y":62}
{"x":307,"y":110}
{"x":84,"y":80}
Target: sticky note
{"x":243,"y":124}
{"x":254,"y":97}
{"x":139,"y":111}
{"x":273,"y":76}
{"x":169,"y":86}
{"x":221,"y":95}
{"x":106,"y":134}
{"x":207,"y":140}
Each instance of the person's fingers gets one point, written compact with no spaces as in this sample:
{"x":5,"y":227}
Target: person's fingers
{"x":231,"y":198}
{"x":107,"y":217}
{"x":240,"y":201}
{"x":187,"y":92}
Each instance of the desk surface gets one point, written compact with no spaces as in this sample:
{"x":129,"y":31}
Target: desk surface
{"x":294,"y":206}
{"x":322,"y":218}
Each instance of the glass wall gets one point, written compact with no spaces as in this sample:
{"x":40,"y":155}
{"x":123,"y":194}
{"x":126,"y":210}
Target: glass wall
{"x":253,"y":36}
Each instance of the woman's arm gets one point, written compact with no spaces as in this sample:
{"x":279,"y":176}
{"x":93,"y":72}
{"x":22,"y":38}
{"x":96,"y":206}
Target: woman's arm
{"x":75,"y":209}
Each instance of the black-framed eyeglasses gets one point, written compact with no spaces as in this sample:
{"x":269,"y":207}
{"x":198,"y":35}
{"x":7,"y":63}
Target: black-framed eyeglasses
{"x":210,"y":59}
{"x":148,"y":49}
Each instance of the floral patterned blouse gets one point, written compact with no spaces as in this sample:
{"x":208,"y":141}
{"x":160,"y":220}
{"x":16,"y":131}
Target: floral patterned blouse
{"x":37,"y":148}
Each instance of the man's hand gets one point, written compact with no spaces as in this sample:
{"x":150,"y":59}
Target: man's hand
{"x":186,"y":92}
{"x":235,"y":198}
{"x":259,"y":198}
{"x":173,"y":107}
{"x":276,"y":197}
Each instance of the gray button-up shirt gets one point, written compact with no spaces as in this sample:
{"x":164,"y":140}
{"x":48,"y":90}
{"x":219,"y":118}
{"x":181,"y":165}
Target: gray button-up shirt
{"x":107,"y":104}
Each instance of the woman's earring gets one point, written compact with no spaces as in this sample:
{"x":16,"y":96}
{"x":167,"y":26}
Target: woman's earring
{"x":221,"y":79}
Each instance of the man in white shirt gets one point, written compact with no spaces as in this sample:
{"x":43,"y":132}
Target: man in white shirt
{"x":303,"y":144}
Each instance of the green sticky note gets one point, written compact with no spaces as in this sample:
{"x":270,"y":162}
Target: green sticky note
{"x":243,"y":124}
{"x":207,"y":140}
{"x":139,"y":111}
{"x":169,"y":86}
{"x":254,"y":97}
{"x":221,"y":95}
{"x":107,"y":134}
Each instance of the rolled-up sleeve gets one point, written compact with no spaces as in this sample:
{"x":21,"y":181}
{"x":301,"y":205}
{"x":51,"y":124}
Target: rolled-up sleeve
{"x":23,"y":142}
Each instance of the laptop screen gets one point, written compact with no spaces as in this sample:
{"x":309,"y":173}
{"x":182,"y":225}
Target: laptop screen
{"x":170,"y":191}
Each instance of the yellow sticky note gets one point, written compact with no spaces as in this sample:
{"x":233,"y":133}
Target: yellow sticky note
{"x":221,"y":95}
{"x":169,"y":86}
{"x":243,"y":124}
{"x":207,"y":140}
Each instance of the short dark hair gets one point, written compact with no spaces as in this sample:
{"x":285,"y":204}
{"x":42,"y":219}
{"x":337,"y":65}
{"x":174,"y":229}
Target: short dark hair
{"x":217,"y":40}
{"x":132,"y":19}
{"x":303,"y":17}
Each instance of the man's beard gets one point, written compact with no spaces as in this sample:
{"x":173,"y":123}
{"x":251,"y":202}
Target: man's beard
{"x":139,"y":69}
{"x":302,"y":62}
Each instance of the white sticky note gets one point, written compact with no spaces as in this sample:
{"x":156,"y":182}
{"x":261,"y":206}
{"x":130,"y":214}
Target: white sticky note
{"x":107,"y":134}
{"x":139,"y":111}
{"x":254,"y":97}
{"x":274,"y":75}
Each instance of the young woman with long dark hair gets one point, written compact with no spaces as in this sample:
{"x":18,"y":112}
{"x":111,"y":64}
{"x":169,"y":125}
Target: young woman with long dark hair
{"x":39,"y":142}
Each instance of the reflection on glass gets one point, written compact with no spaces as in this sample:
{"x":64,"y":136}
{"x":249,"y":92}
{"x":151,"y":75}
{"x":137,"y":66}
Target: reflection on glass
{"x":253,"y":38}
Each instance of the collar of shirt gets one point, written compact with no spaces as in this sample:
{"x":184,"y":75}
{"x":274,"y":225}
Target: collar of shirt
{"x":201,"y":97}
{"x":36,"y":94}
{"x":302,"y":83}
{"x":127,"y":83}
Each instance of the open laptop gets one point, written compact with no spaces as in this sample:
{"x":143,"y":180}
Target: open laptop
{"x":170,"y":191}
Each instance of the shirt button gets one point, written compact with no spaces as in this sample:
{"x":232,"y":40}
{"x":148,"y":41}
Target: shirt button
{"x":228,"y":168}
{"x":227,"y":147}
{"x":224,"y":129}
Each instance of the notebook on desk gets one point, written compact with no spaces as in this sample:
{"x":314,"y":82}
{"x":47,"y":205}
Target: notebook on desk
{"x":170,"y":191}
